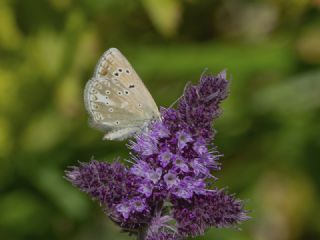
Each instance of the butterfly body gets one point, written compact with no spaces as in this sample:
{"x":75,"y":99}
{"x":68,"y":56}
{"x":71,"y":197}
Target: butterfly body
{"x":116,"y":99}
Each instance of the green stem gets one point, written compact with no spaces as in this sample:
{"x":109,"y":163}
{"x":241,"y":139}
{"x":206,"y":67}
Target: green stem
{"x":141,"y":234}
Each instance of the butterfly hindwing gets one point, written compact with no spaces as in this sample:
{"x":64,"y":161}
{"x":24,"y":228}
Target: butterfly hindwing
{"x":111,"y":106}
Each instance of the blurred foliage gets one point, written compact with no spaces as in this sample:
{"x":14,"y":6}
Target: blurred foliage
{"x":269,"y":132}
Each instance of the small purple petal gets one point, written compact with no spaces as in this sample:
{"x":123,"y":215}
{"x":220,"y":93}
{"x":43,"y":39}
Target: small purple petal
{"x":170,"y":179}
{"x":124,"y":209}
{"x":146,"y":189}
{"x":199,"y":168}
{"x":180,"y":164}
{"x":159,"y":131}
{"x":165,"y":158}
{"x":141,"y":169}
{"x":154,"y":175}
{"x":183,"y":139}
{"x":139,"y":204}
{"x":182,"y":192}
{"x":200,"y":147}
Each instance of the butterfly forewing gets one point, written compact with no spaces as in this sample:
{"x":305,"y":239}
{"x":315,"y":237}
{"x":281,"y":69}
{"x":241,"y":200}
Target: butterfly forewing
{"x":116,"y":98}
{"x":113,"y":65}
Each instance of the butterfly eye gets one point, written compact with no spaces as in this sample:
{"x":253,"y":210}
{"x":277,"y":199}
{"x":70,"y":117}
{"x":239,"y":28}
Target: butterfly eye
{"x":119,"y":69}
{"x":110,"y":109}
{"x":117,"y":122}
{"x":108,"y":92}
{"x":127,"y":71}
{"x":116,"y":74}
{"x":126,"y":92}
{"x":119,"y":93}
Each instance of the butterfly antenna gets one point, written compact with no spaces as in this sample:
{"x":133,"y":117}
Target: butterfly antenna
{"x":179,"y":98}
{"x":172,"y":104}
{"x":204,"y":72}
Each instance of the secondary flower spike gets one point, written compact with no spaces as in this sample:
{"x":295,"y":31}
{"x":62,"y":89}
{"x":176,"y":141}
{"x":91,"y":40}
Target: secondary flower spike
{"x":167,"y":193}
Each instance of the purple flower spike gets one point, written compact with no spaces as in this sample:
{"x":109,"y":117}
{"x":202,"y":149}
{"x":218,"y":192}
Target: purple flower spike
{"x":214,"y":209}
{"x":200,"y":104}
{"x":165,"y":194}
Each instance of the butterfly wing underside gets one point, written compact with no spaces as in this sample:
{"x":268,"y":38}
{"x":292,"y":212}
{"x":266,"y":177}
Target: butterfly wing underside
{"x":116,"y":99}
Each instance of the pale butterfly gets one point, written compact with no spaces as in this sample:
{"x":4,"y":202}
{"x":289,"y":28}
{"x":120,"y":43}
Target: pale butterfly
{"x":116,"y":99}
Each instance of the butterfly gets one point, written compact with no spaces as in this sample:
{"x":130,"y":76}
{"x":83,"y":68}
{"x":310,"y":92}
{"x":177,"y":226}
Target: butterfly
{"x":116,"y":99}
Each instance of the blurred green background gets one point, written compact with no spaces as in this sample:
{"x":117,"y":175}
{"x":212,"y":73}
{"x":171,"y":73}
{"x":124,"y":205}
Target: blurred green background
{"x":269,"y":132}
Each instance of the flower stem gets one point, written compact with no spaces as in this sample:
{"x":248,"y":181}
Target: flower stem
{"x":141,"y":235}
